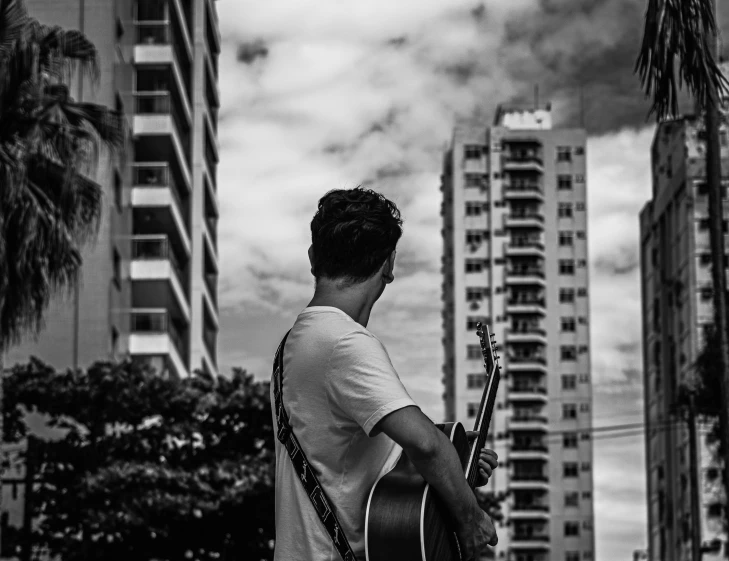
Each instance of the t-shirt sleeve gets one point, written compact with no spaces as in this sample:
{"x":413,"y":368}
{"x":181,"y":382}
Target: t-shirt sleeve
{"x":362,"y":382}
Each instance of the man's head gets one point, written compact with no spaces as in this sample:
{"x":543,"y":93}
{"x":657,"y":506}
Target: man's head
{"x":354,"y":233}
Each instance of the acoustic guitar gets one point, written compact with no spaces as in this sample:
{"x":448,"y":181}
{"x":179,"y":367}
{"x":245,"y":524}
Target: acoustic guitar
{"x":405,"y":519}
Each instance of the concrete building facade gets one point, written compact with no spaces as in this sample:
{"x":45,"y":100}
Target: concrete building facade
{"x":677,"y":302}
{"x":515,"y":258}
{"x":149,"y":283}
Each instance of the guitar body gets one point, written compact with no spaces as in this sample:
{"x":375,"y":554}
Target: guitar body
{"x":405,"y":520}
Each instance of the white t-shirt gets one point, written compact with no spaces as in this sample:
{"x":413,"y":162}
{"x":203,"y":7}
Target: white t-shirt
{"x":338,"y":382}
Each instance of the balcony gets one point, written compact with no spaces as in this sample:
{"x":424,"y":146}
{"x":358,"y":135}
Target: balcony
{"x":526,"y":334}
{"x":534,"y":452}
{"x":523,"y":160}
{"x":530,"y":393}
{"x":525,"y":275}
{"x":526,"y":305}
{"x":524,"y":247}
{"x":534,"y":423}
{"x":523,"y":191}
{"x":156,"y":191}
{"x":529,"y":511}
{"x":165,"y":42}
{"x":529,"y":542}
{"x":526,"y":220}
{"x":153,"y":333}
{"x":528,"y":481}
{"x":156,"y":273}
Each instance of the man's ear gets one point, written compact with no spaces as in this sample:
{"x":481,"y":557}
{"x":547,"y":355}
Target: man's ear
{"x":311,"y":257}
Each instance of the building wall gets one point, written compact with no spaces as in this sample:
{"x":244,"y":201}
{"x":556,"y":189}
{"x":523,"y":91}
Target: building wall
{"x":95,"y":321}
{"x":675,"y":272}
{"x":493,"y":310}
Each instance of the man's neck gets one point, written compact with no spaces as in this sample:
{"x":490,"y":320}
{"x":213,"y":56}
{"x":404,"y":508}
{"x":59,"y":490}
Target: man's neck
{"x":355,"y":301}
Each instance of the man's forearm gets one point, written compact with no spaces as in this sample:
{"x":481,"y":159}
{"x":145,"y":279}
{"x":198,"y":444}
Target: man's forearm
{"x":442,"y":469}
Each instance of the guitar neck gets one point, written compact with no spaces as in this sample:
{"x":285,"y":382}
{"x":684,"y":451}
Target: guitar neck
{"x":483,"y":421}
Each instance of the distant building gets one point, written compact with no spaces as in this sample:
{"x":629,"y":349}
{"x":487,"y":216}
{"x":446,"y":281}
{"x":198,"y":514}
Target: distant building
{"x":515,"y":258}
{"x":677,"y":303}
{"x":149,"y":284}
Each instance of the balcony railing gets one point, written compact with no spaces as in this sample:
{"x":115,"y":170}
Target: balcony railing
{"x":528,"y":389}
{"x":529,"y":418}
{"x":524,"y":157}
{"x":527,"y":330}
{"x":524,"y":187}
{"x":529,"y":448}
{"x":519,"y":359}
{"x":529,"y":538}
{"x":525,"y":301}
{"x":212,"y":224}
{"x":211,"y":281}
{"x":156,"y":246}
{"x":529,"y":477}
{"x":525,"y":272}
{"x":520,"y":507}
{"x":526,"y":242}
{"x":157,"y":321}
{"x":157,"y":174}
{"x":526,"y":216}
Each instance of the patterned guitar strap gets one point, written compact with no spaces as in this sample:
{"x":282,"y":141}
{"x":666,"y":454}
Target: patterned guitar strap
{"x":308,"y":479}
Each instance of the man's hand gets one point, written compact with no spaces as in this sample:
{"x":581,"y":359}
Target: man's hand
{"x":487,"y":461}
{"x":475,"y":534}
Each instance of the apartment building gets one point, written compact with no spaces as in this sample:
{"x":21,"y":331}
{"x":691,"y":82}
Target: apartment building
{"x":676,"y":302}
{"x":149,"y":284}
{"x":515,"y":258}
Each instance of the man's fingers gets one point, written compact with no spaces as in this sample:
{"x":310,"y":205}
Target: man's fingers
{"x":486,"y":468}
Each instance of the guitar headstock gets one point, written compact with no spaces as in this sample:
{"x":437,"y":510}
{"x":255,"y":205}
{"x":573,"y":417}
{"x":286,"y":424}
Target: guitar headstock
{"x":488,"y":348}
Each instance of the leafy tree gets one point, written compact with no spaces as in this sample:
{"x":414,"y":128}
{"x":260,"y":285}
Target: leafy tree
{"x":149,"y":469}
{"x":680,"y":46}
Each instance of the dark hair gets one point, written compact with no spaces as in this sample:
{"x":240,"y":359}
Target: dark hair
{"x":353,"y":232}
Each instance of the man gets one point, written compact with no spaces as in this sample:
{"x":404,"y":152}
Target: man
{"x":346,"y":404}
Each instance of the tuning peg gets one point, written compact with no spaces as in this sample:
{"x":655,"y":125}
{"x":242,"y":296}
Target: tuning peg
{"x":478,"y":325}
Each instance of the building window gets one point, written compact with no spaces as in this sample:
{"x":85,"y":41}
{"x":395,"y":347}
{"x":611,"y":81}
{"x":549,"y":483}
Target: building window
{"x":117,"y":190}
{"x":579,"y":206}
{"x":569,"y":440}
{"x":117,"y":269}
{"x":572,"y":556}
{"x":476,"y":381}
{"x":586,"y":495}
{"x":474,"y":180}
{"x":566,"y":266}
{"x":474,"y":237}
{"x":565,"y":238}
{"x":564,"y":153}
{"x":472,"y":322}
{"x":582,"y":263}
{"x":584,"y":407}
{"x":584,"y":378}
{"x":569,"y":469}
{"x":569,"y":411}
{"x":567,"y":323}
{"x":114,"y":340}
{"x":572,"y":529}
{"x":585,"y":466}
{"x":472,"y":409}
{"x":474,"y":294}
{"x":582,"y":291}
{"x":580,"y":235}
{"x":473,"y":151}
{"x":564,"y":182}
{"x":473,"y":352}
{"x":568,"y":352}
{"x":566,"y":295}
{"x":14,"y":491}
{"x":564,"y":210}
{"x":579,"y":178}
{"x":473,"y":208}
{"x":569,"y":381}
{"x":474,"y":265}
{"x":582,"y":320}
{"x":579,"y":150}
{"x":572,"y":499}
{"x":705,"y":258}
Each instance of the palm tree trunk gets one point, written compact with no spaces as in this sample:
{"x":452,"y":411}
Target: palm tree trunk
{"x":718,"y":259}
{"x":2,"y":411}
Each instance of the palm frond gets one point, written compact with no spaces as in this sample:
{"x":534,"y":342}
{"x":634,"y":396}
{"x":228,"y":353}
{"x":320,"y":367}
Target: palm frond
{"x":13,"y":17}
{"x":677,"y":48}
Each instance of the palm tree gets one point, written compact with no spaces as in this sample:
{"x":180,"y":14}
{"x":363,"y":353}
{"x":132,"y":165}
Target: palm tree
{"x":49,"y":145}
{"x":680,"y":45}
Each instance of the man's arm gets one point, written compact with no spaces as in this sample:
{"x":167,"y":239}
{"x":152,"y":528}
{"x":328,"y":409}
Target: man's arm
{"x":435,"y":458}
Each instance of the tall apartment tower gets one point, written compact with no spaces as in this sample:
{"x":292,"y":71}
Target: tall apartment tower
{"x":676,"y":302}
{"x":149,"y":284}
{"x":515,"y":258}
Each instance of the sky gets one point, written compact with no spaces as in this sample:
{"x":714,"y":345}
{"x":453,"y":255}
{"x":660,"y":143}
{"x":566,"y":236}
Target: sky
{"x":325,"y":94}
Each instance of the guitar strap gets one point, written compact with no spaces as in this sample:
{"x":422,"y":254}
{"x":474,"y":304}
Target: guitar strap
{"x":285,"y":434}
